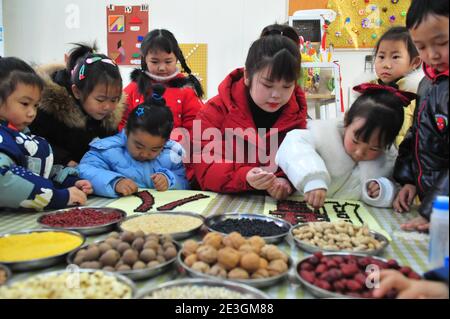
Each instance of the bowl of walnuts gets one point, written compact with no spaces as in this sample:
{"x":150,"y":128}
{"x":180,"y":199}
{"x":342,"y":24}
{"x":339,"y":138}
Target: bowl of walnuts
{"x":232,"y":257}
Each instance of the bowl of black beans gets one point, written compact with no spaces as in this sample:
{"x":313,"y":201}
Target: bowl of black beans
{"x":273,"y":230}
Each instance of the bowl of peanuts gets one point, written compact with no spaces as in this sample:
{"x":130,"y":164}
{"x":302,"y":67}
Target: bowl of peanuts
{"x":338,"y":236}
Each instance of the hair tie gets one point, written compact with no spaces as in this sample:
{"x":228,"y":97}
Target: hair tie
{"x":157,"y":97}
{"x":140,"y":111}
{"x":405,"y":97}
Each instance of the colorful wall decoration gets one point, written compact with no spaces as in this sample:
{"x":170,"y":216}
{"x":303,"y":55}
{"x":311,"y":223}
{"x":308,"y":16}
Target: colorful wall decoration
{"x":196,"y":56}
{"x":126,"y":28}
{"x":360,"y":23}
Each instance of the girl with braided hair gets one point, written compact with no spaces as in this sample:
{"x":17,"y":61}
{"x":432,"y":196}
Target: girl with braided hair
{"x":160,"y":53}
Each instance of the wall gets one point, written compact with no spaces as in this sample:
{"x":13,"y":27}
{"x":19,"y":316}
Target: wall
{"x":228,"y":27}
{"x":2,"y":43}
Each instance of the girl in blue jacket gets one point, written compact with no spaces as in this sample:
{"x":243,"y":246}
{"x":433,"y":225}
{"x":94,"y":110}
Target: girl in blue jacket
{"x":141,"y":156}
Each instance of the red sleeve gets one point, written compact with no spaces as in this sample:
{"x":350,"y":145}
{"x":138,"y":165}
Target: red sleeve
{"x":217,"y":175}
{"x":191,"y":106}
{"x":129,"y":92}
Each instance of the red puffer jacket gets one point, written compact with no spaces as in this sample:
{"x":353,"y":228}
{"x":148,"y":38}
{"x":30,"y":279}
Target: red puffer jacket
{"x":183,"y":103}
{"x":231,"y":162}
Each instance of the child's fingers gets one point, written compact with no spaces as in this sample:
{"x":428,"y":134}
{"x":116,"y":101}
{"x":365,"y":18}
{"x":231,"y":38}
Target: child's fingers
{"x":389,"y":279}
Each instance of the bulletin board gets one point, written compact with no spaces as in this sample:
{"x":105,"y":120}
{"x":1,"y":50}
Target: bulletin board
{"x":196,"y":56}
{"x":359,"y":23}
{"x":126,"y":28}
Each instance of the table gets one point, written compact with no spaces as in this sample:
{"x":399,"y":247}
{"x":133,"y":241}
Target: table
{"x":407,"y":251}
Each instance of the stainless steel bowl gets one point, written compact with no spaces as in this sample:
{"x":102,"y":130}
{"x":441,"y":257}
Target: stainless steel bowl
{"x":175,"y":236}
{"x":122,"y":279}
{"x":312,"y":249}
{"x":41,"y":262}
{"x":257,"y":283}
{"x":135,"y":274}
{"x":212,"y":220}
{"x":233,"y":286}
{"x":90,"y":230}
{"x":7,"y":273}
{"x":322,"y":293}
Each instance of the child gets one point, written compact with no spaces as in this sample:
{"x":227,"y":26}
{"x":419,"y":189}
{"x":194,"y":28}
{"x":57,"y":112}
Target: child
{"x":80,"y":102}
{"x":396,"y":62}
{"x":348,"y":160}
{"x":160,"y":54}
{"x":26,"y":161}
{"x":263,"y":96}
{"x":422,"y":165}
{"x":140,"y":156}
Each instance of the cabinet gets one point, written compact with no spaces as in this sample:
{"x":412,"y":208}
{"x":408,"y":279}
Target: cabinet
{"x":322,"y":85}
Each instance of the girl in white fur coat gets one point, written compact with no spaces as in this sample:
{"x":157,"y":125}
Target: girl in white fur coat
{"x":350,"y":159}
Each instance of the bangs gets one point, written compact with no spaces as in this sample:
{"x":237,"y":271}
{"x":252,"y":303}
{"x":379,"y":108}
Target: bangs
{"x":283,"y":67}
{"x":159,"y":43}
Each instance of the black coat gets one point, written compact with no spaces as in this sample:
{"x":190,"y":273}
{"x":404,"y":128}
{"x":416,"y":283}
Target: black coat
{"x":63,"y":122}
{"x":423,"y":154}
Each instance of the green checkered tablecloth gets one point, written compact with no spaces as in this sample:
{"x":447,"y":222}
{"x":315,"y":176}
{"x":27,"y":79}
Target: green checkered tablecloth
{"x":406,"y":249}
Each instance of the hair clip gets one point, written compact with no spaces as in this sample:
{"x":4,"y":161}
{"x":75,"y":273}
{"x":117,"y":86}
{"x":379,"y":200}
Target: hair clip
{"x":98,"y":58}
{"x":81,"y":75}
{"x":140,"y":111}
{"x":405,"y":97}
{"x":157,"y":97}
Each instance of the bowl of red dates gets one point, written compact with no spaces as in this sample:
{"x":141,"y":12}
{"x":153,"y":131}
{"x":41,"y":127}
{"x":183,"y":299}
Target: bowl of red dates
{"x":345,"y":275}
{"x":85,"y":220}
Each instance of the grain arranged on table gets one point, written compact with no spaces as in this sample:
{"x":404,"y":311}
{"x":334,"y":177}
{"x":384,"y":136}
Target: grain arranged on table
{"x":162,"y":223}
{"x":127,"y":251}
{"x":339,"y":235}
{"x":235,"y":257}
{"x":96,"y":285}
{"x":249,"y":227}
{"x":81,"y":217}
{"x":197,"y":292}
{"x":37,"y":245}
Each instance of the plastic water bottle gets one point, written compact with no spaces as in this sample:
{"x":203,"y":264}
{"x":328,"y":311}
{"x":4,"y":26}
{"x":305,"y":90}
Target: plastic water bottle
{"x":439,"y":232}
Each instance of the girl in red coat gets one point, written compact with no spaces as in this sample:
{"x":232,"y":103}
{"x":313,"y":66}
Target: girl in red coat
{"x":160,"y":54}
{"x":242,"y":127}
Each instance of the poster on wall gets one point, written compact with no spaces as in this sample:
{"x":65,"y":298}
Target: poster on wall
{"x":126,"y":28}
{"x":359,"y":23}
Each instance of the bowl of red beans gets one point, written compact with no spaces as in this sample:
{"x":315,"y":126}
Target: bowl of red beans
{"x":85,"y":220}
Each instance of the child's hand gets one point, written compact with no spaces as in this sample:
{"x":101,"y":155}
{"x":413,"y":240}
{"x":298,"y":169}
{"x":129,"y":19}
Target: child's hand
{"x":403,"y":200}
{"x":260,"y":179}
{"x":408,"y":288}
{"x":373,"y":189}
{"x":72,"y":164}
{"x":160,"y":181}
{"x":76,"y":197}
{"x":85,"y":186}
{"x":126,"y":187}
{"x":419,"y":224}
{"x":280,"y":189}
{"x":316,"y":197}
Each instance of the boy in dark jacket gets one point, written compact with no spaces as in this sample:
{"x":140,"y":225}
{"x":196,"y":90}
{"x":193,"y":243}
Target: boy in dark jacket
{"x":422,"y":165}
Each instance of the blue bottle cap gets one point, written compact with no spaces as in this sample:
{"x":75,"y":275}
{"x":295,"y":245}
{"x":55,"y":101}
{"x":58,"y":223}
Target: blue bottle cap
{"x":441,"y":202}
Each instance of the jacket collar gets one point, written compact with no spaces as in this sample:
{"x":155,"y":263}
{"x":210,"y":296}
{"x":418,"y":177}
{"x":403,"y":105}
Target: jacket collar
{"x":234,"y":95}
{"x":432,"y":74}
